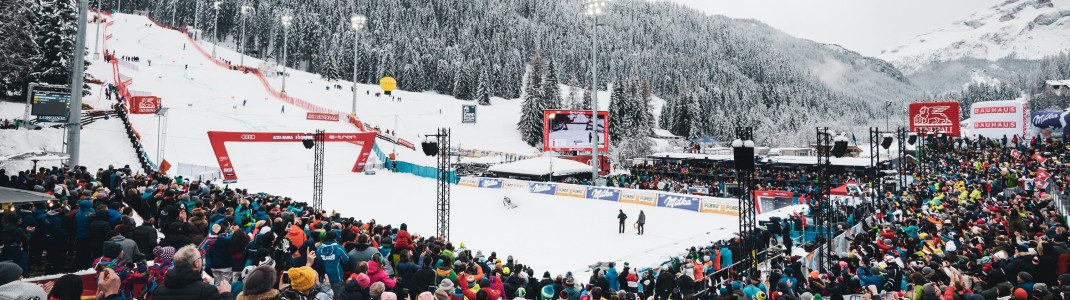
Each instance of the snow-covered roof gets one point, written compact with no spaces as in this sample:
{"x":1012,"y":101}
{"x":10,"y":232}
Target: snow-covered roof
{"x":691,"y":156}
{"x":662,"y":133}
{"x":796,"y":160}
{"x":35,"y":155}
{"x":1058,"y":82}
{"x":540,"y":166}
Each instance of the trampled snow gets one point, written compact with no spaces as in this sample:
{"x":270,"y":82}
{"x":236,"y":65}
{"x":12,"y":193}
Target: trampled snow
{"x":551,"y":233}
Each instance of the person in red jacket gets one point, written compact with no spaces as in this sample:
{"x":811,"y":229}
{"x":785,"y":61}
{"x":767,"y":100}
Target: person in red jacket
{"x":494,"y":291}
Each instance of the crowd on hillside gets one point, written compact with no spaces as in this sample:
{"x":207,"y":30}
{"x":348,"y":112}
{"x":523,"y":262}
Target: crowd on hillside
{"x":970,"y":226}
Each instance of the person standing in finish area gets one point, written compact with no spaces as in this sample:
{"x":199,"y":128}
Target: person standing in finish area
{"x":621,"y":216}
{"x":639,"y":223}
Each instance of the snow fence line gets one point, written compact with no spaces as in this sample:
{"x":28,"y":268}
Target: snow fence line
{"x":702,"y":204}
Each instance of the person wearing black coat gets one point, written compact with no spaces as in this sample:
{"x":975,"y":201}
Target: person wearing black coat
{"x":423,"y":280}
{"x":405,"y":272}
{"x":146,"y":237}
{"x":98,"y":232}
{"x":183,"y":281}
{"x":664,"y":285}
{"x":686,"y":286}
{"x":648,"y":284}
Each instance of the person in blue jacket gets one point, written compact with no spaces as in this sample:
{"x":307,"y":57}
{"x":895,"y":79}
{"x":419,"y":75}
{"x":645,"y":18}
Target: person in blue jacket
{"x":726,"y":256}
{"x":871,"y":276}
{"x":82,"y":217}
{"x":335,"y":259}
{"x":611,"y":275}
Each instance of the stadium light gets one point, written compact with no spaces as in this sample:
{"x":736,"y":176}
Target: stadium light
{"x":215,"y":26}
{"x":286,"y":21}
{"x":245,"y":9}
{"x":357,"y":23}
{"x":593,"y":9}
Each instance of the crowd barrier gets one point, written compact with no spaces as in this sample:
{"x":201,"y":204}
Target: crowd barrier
{"x":723,"y":206}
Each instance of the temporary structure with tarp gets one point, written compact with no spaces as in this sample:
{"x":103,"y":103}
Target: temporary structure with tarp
{"x":540,"y":168}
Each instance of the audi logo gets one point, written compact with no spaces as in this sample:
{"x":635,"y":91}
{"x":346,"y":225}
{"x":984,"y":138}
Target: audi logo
{"x":248,"y":136}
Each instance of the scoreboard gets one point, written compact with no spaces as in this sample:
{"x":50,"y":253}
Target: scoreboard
{"x":50,"y":106}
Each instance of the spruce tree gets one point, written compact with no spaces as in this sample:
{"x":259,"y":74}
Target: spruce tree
{"x":56,"y":27}
{"x":551,"y":91}
{"x":618,"y":116}
{"x":573,"y":101}
{"x":531,"y":115}
{"x":483,"y":88}
{"x":18,"y":50}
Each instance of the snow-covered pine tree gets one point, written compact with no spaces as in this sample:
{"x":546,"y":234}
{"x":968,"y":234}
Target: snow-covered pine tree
{"x":573,"y":100}
{"x":586,"y":105}
{"x":634,"y":147}
{"x":646,"y":95}
{"x":331,"y":64}
{"x":619,"y":125}
{"x":56,"y":27}
{"x":462,"y":84}
{"x":483,"y":88}
{"x":551,"y":91}
{"x":18,"y":51}
{"x":531,"y":116}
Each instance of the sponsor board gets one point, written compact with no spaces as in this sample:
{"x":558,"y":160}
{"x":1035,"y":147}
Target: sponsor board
{"x":637,"y":197}
{"x":321,"y":117}
{"x":570,"y":190}
{"x":935,"y":116}
{"x":512,"y":184}
{"x":542,"y":188}
{"x":490,"y":183}
{"x":678,"y":201}
{"x":144,"y":104}
{"x":469,"y":181}
{"x":995,"y":119}
{"x":711,"y":206}
{"x":603,"y":194}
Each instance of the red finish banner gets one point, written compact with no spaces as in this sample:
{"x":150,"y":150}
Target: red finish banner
{"x":322,"y":117}
{"x":144,"y":104}
{"x":926,"y":117}
{"x":220,"y":138}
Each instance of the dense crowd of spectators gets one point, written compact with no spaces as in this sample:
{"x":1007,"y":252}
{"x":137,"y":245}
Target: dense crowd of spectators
{"x":969,"y":226}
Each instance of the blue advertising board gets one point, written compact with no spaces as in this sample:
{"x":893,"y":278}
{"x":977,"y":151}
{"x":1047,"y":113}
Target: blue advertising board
{"x":681,"y":202}
{"x":1050,"y":120}
{"x":490,"y":183}
{"x":603,"y":194}
{"x":542,"y":188}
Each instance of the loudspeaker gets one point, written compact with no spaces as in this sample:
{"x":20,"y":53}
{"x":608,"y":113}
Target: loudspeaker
{"x":430,"y":148}
{"x":912,"y":138}
{"x":308,"y":142}
{"x":886,"y":142}
{"x":839,"y":148}
{"x":743,"y":158}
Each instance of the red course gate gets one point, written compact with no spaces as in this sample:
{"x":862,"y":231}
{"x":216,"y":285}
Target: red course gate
{"x":219,"y":138}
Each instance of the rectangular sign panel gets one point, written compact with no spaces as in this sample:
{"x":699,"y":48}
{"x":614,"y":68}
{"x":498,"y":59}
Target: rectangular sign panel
{"x":678,"y":201}
{"x":928,"y":117}
{"x":996,"y":119}
{"x":603,"y":193}
{"x":322,"y":117}
{"x":570,"y":130}
{"x":51,"y":105}
{"x":468,"y":113}
{"x":542,"y":188}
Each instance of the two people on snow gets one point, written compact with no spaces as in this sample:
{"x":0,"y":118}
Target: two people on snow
{"x":638,"y":223}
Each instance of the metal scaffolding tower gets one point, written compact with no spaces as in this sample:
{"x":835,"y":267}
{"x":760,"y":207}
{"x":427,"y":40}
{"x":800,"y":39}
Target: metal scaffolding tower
{"x":744,"y":163}
{"x":317,"y":181}
{"x":822,"y":202}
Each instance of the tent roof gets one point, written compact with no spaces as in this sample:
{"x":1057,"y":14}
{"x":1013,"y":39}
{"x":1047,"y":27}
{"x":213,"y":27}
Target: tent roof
{"x":10,"y":195}
{"x":541,"y":166}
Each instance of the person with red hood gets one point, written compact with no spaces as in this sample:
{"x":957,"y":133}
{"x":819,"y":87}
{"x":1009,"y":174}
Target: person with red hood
{"x":377,"y":274}
{"x":295,"y":234}
{"x":494,"y":291}
{"x":402,"y":242}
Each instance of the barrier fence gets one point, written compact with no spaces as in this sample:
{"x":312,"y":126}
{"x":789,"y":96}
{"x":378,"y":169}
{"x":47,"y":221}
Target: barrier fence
{"x":703,"y":204}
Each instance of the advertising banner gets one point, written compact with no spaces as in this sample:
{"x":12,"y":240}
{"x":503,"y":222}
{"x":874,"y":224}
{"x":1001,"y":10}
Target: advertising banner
{"x":542,"y":188}
{"x":1047,"y":122}
{"x":469,"y":181}
{"x":572,"y":190}
{"x":321,"y":117}
{"x":928,"y":117}
{"x":678,"y":201}
{"x":711,"y":206}
{"x":603,"y":194}
{"x":570,"y":130}
{"x":468,"y":113}
{"x":490,"y":183}
{"x":144,"y":104}
{"x":996,"y":119}
{"x":218,"y":139}
{"x":637,"y":197}
{"x":513,"y":184}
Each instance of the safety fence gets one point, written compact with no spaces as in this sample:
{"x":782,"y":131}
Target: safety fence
{"x":703,"y":204}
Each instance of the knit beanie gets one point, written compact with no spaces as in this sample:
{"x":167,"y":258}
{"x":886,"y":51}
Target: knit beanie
{"x":1020,"y":294}
{"x":9,"y":272}
{"x":424,"y":295}
{"x":260,"y":280}
{"x":112,"y":250}
{"x":302,"y":279}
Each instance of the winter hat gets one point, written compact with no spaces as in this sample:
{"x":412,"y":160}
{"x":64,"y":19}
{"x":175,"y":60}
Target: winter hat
{"x":814,"y":274}
{"x":377,"y":289}
{"x":471,"y":279}
{"x":570,"y":280}
{"x":259,"y":281}
{"x":9,"y":272}
{"x":928,"y":289}
{"x":817,"y":297}
{"x":112,"y":250}
{"x":441,"y":295}
{"x":388,"y":296}
{"x":806,"y":296}
{"x":424,"y":295}
{"x":302,"y":279}
{"x":1040,"y":288}
{"x":759,"y":295}
{"x":164,"y":254}
{"x":564,"y":294}
{"x":245,"y":272}
{"x":505,"y":271}
{"x":1064,"y":279}
{"x":445,"y":285}
{"x":362,"y":280}
{"x":1020,"y":294}
{"x":1025,"y":276}
{"x":547,"y":291}
{"x":485,"y":282}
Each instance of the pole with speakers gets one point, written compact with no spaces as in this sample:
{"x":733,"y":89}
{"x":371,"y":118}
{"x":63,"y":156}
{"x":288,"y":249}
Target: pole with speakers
{"x":743,"y":158}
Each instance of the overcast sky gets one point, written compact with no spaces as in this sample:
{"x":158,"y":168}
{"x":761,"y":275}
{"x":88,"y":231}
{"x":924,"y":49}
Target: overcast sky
{"x":866,"y":26}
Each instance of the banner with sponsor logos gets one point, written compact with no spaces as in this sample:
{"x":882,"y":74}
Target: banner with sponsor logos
{"x":572,"y":190}
{"x":935,"y":116}
{"x":218,"y":139}
{"x":1047,"y":122}
{"x":513,"y":184}
{"x":144,"y":104}
{"x":996,"y":119}
{"x":490,"y":183}
{"x":599,"y":193}
{"x":469,"y":181}
{"x":678,"y":201}
{"x":321,"y":117}
{"x":542,"y":188}
{"x":638,"y":197}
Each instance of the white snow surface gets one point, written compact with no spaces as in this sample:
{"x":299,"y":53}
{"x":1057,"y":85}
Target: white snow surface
{"x":1022,"y":29}
{"x":104,"y":142}
{"x":541,"y":166}
{"x":552,"y":233}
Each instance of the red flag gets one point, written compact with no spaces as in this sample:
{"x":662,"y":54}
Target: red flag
{"x":1039,"y":158}
{"x":1041,"y":180}
{"x":1016,"y":154}
{"x":164,"y":166}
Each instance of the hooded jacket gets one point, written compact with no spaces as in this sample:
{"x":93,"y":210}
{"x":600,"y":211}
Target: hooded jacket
{"x":184,"y":284}
{"x":82,"y":218}
{"x":19,"y":290}
{"x":131,"y":252}
{"x":377,"y":274}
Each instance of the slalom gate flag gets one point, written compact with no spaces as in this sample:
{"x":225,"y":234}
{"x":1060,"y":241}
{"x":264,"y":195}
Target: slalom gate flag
{"x":164,"y":166}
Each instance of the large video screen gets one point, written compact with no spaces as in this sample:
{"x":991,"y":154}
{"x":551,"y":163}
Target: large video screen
{"x":570,"y":130}
{"x":51,"y":106}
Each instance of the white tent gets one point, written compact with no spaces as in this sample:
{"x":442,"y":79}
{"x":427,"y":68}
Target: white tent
{"x":542,"y":166}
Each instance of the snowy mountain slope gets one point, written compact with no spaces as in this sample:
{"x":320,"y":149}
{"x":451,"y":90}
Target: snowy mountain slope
{"x":1015,"y":29}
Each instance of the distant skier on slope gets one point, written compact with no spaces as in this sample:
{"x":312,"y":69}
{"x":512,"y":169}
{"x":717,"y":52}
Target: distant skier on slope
{"x":508,"y":203}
